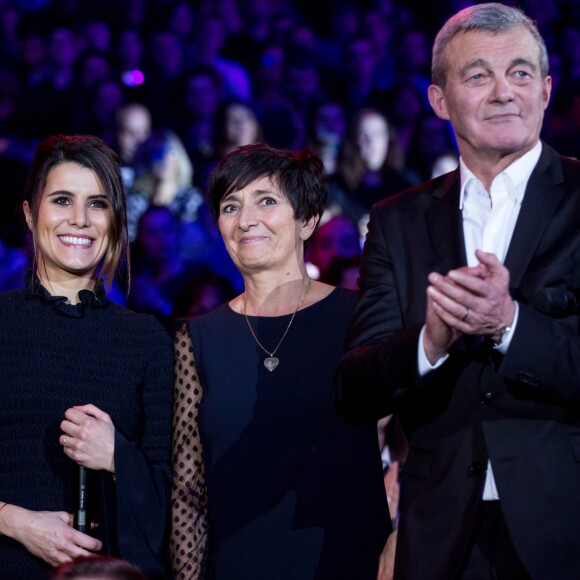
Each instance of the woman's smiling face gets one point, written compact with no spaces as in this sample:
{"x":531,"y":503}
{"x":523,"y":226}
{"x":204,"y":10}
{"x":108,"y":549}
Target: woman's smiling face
{"x":73,"y":223}
{"x":259,"y":229}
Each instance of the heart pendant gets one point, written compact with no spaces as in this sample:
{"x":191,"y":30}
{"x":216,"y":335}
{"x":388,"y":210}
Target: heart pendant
{"x":271,"y":363}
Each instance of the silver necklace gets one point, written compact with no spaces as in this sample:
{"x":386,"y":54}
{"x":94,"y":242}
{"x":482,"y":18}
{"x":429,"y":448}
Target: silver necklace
{"x":271,"y":362}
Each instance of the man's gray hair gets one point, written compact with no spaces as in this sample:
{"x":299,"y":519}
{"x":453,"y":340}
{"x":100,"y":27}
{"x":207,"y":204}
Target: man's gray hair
{"x":490,"y":17}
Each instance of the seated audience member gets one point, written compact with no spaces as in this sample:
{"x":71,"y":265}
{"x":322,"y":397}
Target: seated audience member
{"x":160,"y":268}
{"x":106,"y":98}
{"x":433,"y":150}
{"x":197,"y":106}
{"x":133,"y":126}
{"x":372,"y":166}
{"x":163,"y":176}
{"x":338,"y":237}
{"x":203,"y":291}
{"x":326,"y":133}
{"x":208,"y":40}
{"x":237,"y":123}
{"x":14,"y":262}
{"x":343,"y":272}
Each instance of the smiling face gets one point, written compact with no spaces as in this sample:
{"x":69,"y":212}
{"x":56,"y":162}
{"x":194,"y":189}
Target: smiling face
{"x":259,"y":230}
{"x":73,"y":222}
{"x":494,"y":94}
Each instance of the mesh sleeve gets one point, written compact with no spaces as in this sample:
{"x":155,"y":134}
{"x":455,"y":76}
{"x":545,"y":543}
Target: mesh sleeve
{"x":189,"y":527}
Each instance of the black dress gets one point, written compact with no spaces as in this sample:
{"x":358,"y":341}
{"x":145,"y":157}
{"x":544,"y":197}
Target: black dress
{"x":293,"y":491}
{"x":55,"y":355}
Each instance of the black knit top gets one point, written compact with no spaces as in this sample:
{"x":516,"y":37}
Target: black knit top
{"x":55,"y":355}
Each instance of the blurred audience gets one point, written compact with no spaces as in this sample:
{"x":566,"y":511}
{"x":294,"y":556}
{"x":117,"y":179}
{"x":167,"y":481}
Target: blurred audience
{"x":223,"y":74}
{"x":336,"y":238}
{"x":327,"y":131}
{"x":433,"y":150}
{"x":159,"y":267}
{"x":133,"y":126}
{"x":164,"y":176}
{"x":344,"y":272}
{"x":203,"y":291}
{"x":237,"y":123}
{"x":371,"y":166}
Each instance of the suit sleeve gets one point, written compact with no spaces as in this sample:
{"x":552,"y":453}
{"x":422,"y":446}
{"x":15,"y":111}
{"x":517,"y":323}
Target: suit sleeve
{"x":544,"y":354}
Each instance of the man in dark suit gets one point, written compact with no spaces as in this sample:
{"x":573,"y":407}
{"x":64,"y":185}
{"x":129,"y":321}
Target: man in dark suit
{"x":468,"y":325}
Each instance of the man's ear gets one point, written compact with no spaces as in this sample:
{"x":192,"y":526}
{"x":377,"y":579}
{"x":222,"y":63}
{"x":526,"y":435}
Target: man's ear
{"x":308,"y":227}
{"x":27,"y":215}
{"x":437,"y":100}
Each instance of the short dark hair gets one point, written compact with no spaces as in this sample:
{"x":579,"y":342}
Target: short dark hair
{"x":92,"y":153}
{"x":299,"y":174}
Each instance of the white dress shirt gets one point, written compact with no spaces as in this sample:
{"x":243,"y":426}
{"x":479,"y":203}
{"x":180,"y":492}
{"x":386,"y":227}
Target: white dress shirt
{"x":489,"y":219}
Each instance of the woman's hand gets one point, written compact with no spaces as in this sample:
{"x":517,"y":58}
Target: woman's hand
{"x":47,"y":535}
{"x":89,"y":437}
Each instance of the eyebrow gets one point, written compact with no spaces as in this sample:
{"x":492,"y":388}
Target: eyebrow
{"x":480,"y":62}
{"x":523,"y":61}
{"x":67,"y":192}
{"x":254,"y":192}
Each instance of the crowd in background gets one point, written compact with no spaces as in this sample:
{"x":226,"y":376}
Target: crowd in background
{"x":173,"y":86}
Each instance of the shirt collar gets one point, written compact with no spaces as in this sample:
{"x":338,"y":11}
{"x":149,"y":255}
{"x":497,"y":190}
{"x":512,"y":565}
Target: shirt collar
{"x":517,"y":174}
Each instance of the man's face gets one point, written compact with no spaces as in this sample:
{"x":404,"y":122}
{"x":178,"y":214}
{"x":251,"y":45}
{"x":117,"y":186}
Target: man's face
{"x":494,"y":96}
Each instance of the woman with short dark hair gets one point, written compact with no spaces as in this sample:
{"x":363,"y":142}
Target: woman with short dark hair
{"x":283,"y":488}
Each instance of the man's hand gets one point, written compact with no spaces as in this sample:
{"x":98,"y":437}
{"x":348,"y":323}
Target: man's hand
{"x":439,"y":335}
{"x":475,"y":300}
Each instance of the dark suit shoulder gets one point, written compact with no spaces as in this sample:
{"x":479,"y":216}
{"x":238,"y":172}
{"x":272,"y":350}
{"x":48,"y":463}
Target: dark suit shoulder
{"x":437,"y":187}
{"x":443,"y":187}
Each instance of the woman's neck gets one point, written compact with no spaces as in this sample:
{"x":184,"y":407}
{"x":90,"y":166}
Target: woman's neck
{"x":67,"y":286}
{"x":267,"y":296}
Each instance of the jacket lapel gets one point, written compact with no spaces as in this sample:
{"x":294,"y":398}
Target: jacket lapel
{"x":443,"y":222}
{"x":543,"y":194}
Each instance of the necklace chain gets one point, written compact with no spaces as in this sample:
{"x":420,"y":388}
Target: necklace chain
{"x":287,"y":328}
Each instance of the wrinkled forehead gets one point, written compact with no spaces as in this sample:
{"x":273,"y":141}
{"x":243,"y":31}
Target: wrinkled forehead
{"x":492,"y":46}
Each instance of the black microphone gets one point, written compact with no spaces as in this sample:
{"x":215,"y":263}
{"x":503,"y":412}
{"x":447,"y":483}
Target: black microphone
{"x":80,"y":513}
{"x":557,"y":301}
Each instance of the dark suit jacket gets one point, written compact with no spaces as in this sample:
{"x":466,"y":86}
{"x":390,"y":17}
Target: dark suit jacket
{"x":521,"y":411}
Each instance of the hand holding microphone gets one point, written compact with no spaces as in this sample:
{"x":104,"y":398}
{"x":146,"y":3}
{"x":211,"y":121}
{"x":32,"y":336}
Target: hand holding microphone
{"x":89,"y":437}
{"x":89,"y":440}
